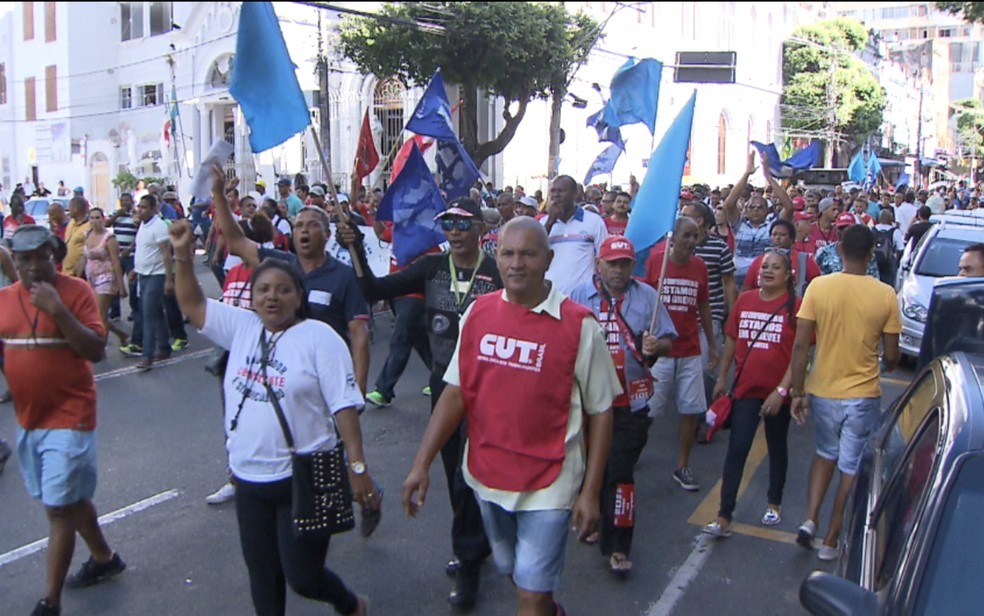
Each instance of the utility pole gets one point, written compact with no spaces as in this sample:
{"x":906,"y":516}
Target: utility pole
{"x":324,"y":107}
{"x":831,"y":111}
{"x":919,"y":140}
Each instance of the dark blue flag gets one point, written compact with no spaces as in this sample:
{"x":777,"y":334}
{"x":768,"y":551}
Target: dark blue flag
{"x":432,"y":117}
{"x":604,"y":163}
{"x":806,"y":158}
{"x":263,"y":81}
{"x":458,"y":171}
{"x":634,"y":94}
{"x":411,"y":202}
{"x":606,"y":133}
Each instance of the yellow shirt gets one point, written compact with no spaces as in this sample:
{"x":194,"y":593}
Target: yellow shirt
{"x":75,"y":240}
{"x":851,"y":314}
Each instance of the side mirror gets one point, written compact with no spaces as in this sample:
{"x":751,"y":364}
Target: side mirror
{"x":824,"y":594}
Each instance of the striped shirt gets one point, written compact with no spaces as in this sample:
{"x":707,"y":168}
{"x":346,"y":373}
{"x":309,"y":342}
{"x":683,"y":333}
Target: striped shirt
{"x":125,"y":229}
{"x":717,"y":256}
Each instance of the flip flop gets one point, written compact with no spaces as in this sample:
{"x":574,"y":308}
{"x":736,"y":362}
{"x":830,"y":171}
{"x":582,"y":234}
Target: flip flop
{"x":715,"y":529}
{"x":620,"y":565}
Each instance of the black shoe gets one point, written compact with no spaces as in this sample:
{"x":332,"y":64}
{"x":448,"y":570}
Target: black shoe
{"x":464,"y":594}
{"x":43,"y":609}
{"x":93,"y":572}
{"x":453,"y":567}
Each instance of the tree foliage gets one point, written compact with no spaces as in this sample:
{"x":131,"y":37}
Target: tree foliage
{"x":970,"y":124}
{"x":859,"y":98}
{"x":971,"y":11}
{"x":516,"y":50}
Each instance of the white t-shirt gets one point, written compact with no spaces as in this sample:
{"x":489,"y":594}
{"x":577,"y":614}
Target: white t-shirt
{"x":898,"y":239}
{"x":149,"y":260}
{"x":575,"y":244}
{"x":904,"y":215}
{"x":311,"y":372}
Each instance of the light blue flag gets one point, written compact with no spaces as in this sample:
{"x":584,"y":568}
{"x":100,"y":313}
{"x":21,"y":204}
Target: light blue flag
{"x":604,"y":163}
{"x":655,"y":206}
{"x":411,"y":202}
{"x":871,"y":172}
{"x":263,"y":81}
{"x":857,"y":169}
{"x":634,"y":94}
{"x":903,"y":180}
{"x":457,"y":169}
{"x":432,"y":117}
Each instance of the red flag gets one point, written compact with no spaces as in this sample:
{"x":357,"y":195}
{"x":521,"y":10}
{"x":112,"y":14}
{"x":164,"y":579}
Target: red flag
{"x":401,"y":156}
{"x":366,"y":156}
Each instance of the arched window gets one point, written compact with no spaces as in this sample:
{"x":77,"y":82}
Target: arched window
{"x":387,"y":106}
{"x":722,"y":143}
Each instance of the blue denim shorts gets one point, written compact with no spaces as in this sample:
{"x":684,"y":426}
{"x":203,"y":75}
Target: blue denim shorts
{"x":528,"y":545}
{"x":843,"y":427}
{"x":59,"y":466}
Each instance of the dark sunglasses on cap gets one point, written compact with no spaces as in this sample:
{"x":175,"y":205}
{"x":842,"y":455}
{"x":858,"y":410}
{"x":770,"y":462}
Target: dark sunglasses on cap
{"x":462,"y":224}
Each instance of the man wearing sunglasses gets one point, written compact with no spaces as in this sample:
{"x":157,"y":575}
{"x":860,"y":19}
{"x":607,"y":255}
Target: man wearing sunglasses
{"x":449,"y":281}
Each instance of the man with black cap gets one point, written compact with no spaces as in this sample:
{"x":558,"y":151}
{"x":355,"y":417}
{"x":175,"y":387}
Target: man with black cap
{"x":52,"y":332}
{"x":449,"y":282}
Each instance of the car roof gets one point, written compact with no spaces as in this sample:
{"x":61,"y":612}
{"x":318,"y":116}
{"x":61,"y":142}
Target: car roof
{"x":958,"y":231}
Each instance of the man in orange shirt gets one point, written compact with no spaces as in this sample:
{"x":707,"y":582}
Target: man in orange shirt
{"x":52,"y":332}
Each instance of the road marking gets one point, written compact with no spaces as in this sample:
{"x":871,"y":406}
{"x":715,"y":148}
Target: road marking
{"x":109,"y":518}
{"x":113,"y":374}
{"x":704,"y":545}
{"x":707,"y":510}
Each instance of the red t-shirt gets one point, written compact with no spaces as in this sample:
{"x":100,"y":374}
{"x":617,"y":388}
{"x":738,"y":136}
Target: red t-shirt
{"x":237,"y":291}
{"x":10,"y":224}
{"x":614,"y":227}
{"x":53,"y":387}
{"x":819,"y":238}
{"x":812,"y":269}
{"x":767,"y":362}
{"x":684,"y":289}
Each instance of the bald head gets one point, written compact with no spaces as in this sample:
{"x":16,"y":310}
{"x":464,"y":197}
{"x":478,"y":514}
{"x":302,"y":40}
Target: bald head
{"x":523,"y":259}
{"x":684,"y":224}
{"x":886,"y":217}
{"x":523,"y":226}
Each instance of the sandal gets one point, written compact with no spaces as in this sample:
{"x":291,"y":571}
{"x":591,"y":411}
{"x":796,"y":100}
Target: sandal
{"x":620,"y":565}
{"x":592,"y":539}
{"x":715,"y":529}
{"x":772,"y":517}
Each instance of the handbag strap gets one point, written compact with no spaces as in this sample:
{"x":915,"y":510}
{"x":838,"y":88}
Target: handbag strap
{"x":265,"y":351}
{"x":751,"y":347}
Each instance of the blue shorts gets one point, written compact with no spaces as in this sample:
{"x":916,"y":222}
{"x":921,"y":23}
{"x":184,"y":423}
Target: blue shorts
{"x":528,"y":545}
{"x":843,"y":427}
{"x":59,"y":466}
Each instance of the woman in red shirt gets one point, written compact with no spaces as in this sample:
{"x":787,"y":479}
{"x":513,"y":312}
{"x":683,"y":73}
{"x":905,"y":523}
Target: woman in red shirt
{"x":760,"y":333}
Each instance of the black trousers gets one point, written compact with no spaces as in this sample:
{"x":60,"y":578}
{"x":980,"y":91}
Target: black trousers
{"x":744,"y":423}
{"x":630,"y":432}
{"x":468,"y":540}
{"x":275,"y":556}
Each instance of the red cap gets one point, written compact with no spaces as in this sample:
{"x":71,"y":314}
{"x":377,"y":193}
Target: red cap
{"x":616,"y":247}
{"x":845,"y":220}
{"x":800,"y":216}
{"x":686,"y":194}
{"x":799,"y":203}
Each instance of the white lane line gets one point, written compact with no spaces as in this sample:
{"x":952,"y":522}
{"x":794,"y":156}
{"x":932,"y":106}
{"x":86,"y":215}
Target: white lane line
{"x":109,"y":518}
{"x":686,"y":574}
{"x":113,"y":374}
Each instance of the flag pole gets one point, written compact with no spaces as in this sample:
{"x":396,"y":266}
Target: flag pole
{"x":343,"y":214}
{"x":662,"y":277}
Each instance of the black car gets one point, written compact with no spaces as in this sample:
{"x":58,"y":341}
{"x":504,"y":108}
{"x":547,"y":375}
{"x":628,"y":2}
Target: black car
{"x":913,"y":539}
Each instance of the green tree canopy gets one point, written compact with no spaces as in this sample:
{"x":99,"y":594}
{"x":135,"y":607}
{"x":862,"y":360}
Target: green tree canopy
{"x":972,"y":11}
{"x":516,"y":50}
{"x":859,"y":98}
{"x":970,"y":125}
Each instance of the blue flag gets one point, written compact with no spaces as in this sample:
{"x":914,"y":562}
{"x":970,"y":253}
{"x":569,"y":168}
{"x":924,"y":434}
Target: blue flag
{"x":857,"y":169}
{"x":806,"y":158}
{"x":457,"y":169}
{"x":606,"y":133}
{"x":432,"y":117}
{"x":872,"y":171}
{"x":903,"y":180}
{"x":634,"y":94}
{"x":604,"y":163}
{"x":263,"y":81}
{"x":411,"y":202}
{"x":655,"y":206}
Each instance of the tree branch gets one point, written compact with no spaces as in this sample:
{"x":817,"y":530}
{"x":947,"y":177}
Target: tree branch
{"x":497,"y":145}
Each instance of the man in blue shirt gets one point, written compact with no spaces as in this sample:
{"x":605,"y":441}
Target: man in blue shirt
{"x":294,"y":204}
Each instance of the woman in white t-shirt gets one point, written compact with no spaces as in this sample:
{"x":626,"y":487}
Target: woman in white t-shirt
{"x":308,"y":367}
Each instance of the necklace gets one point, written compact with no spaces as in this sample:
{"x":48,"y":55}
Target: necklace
{"x":459,"y":298}
{"x":266,"y":352}
{"x":34,"y":324}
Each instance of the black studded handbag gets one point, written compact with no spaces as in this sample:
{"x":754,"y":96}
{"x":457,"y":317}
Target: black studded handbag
{"x":321,"y":495}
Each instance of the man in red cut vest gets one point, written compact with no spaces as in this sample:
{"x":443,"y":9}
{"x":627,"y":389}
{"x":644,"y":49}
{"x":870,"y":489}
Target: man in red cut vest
{"x":527,"y":356}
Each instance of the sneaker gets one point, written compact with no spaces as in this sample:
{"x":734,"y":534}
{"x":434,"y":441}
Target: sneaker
{"x":179,"y":344}
{"x":377,"y":398}
{"x":804,"y":536}
{"x":827,"y":553}
{"x":93,"y":572}
{"x":43,"y":609}
{"x":715,"y":529}
{"x":427,"y":391}
{"x":223,"y":495}
{"x":685,"y":477}
{"x":132,"y":350}
{"x":771,"y":517}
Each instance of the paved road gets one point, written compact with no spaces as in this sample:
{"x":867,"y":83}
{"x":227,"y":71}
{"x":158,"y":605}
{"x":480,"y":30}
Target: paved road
{"x":161,"y":453}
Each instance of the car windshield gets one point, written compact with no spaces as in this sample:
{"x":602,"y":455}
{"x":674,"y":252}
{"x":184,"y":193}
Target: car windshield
{"x":942,"y":257}
{"x":35,"y":208}
{"x":957,"y":547}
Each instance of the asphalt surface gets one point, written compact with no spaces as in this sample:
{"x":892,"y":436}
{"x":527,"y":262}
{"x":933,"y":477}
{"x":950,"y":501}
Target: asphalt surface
{"x":161,"y":453}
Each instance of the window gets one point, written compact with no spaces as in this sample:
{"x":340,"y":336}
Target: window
{"x":3,"y":84}
{"x":946,"y":32}
{"x":722,"y":144}
{"x":51,"y":88}
{"x":160,"y":18}
{"x":28,"y":21}
{"x":50,"y":34}
{"x":126,"y":97}
{"x":388,"y":99}
{"x":131,"y":20}
{"x":30,"y":102}
{"x":151,"y":94}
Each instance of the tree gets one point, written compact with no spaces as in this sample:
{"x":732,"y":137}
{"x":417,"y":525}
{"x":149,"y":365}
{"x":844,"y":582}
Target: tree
{"x":826,"y":88}
{"x":970,"y":125}
{"x":972,"y":11}
{"x":516,"y":50}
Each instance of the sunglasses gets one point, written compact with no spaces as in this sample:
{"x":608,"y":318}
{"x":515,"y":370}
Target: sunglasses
{"x":462,"y":224}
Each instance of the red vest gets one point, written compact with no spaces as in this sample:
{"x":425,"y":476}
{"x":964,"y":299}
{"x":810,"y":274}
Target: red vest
{"x":517,"y":370}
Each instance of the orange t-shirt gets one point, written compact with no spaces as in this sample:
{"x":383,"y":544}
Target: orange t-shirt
{"x":53,"y":387}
